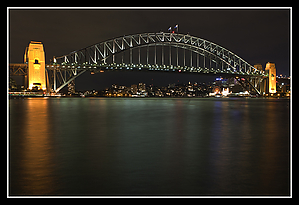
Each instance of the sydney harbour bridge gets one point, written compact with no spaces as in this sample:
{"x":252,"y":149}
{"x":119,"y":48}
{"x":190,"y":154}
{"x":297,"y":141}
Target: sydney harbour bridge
{"x":152,"y":52}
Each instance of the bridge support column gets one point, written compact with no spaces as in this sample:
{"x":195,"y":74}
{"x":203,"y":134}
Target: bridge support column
{"x":169,"y":54}
{"x":54,"y":79}
{"x":162,"y":54}
{"x":263,"y":86}
{"x":131,"y":56}
{"x":270,"y":68}
{"x":35,"y":57}
{"x":177,"y":55}
{"x":184,"y":56}
{"x":155,"y":59}
{"x":25,"y":81}
{"x":190,"y":58}
{"x":147,"y":54}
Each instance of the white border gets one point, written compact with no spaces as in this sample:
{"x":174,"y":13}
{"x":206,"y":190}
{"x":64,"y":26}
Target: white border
{"x":153,"y":8}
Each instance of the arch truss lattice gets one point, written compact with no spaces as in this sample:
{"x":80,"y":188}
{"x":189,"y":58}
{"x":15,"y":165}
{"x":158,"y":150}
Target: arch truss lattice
{"x":171,"y":52}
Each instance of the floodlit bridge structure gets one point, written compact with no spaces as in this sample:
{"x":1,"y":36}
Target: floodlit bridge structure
{"x":164,"y":52}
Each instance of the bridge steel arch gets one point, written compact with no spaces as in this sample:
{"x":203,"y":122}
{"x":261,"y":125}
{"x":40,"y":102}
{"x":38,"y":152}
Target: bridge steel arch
{"x":95,"y":57}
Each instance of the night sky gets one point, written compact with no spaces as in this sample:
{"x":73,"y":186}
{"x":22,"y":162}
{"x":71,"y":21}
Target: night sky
{"x":257,"y":36}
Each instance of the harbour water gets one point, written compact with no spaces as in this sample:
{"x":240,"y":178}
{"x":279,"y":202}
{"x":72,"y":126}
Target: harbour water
{"x":149,"y":147}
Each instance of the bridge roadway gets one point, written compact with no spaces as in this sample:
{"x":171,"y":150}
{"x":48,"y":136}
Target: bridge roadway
{"x":20,"y":69}
{"x":141,"y":67}
{"x":80,"y":69}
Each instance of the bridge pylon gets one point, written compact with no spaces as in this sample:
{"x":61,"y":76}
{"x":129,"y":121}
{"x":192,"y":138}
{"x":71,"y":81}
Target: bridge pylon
{"x":271,"y":70}
{"x":35,"y":58}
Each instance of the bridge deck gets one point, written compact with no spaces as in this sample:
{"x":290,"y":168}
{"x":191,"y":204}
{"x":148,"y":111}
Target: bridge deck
{"x":162,"y":68}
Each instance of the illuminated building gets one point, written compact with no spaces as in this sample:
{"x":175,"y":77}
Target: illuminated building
{"x":270,"y":68}
{"x":217,"y":90}
{"x":35,"y":57}
{"x":134,"y":89}
{"x":225,"y":91}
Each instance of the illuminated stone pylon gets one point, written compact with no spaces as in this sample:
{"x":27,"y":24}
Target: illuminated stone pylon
{"x":270,"y":68}
{"x":35,"y":57}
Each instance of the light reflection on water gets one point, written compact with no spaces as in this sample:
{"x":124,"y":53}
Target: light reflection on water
{"x":101,"y":146}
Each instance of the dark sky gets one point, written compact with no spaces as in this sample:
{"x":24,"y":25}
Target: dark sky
{"x":258,"y":36}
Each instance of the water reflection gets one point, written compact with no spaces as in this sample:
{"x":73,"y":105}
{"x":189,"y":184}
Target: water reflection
{"x":36,"y":177}
{"x":274,"y":155}
{"x":97,"y":146}
{"x":245,"y":149}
